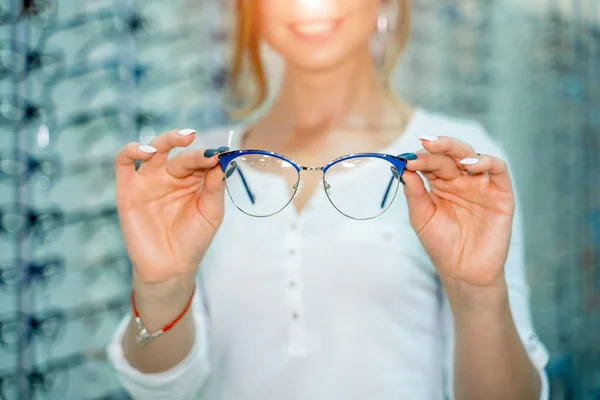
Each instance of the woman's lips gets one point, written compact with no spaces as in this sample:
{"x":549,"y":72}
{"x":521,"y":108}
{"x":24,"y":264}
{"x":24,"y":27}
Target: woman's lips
{"x":315,"y":30}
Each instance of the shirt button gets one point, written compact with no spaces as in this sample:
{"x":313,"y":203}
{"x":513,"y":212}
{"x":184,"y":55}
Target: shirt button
{"x":292,"y":252}
{"x":295,"y":315}
{"x":294,"y":226}
{"x":292,"y":284}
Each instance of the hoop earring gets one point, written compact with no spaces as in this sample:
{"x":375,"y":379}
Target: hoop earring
{"x":380,"y":39}
{"x":383,"y":24}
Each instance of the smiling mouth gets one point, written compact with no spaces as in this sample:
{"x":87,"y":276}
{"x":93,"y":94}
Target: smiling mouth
{"x":315,"y":29}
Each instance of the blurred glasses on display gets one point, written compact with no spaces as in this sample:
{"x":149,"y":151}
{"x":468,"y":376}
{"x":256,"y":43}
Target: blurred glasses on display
{"x":50,"y":380}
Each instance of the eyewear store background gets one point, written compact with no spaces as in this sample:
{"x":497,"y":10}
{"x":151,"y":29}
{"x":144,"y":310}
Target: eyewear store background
{"x":80,"y":78}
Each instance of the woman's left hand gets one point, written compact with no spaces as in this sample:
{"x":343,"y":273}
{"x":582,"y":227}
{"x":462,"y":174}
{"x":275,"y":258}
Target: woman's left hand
{"x":464,"y":221}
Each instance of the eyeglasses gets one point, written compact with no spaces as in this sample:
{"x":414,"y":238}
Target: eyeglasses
{"x":84,"y":24}
{"x":94,"y":123}
{"x":117,"y":264}
{"x":48,"y":325}
{"x":50,"y":271}
{"x":84,"y":73}
{"x":144,"y":31}
{"x":46,"y":61}
{"x":20,"y":166}
{"x":146,"y":79}
{"x":42,"y":272}
{"x":49,"y":379}
{"x":40,"y":12}
{"x":214,"y":79}
{"x":109,"y":120}
{"x":18,"y":220}
{"x":262,"y":183}
{"x":15,"y":109}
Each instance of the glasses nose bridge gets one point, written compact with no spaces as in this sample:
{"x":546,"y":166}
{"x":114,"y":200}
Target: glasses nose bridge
{"x":311,"y":168}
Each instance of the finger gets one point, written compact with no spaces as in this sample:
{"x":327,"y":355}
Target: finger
{"x":167,"y":142}
{"x":190,"y":161}
{"x":211,"y":199}
{"x":440,"y":165}
{"x":214,"y":182}
{"x":428,"y":175}
{"x":495,"y":167}
{"x":126,"y":158}
{"x":452,"y":147}
{"x":420,"y":204}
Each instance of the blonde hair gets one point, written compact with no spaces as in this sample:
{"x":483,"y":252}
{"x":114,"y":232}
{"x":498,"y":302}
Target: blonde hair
{"x":247,"y":62}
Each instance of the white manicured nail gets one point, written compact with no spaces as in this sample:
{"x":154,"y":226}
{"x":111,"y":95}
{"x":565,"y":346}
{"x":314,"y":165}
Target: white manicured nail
{"x":148,"y":149}
{"x":186,"y":132}
{"x":429,"y":138}
{"x":469,"y":161}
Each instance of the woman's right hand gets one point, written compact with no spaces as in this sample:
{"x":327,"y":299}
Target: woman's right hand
{"x":169,"y":210}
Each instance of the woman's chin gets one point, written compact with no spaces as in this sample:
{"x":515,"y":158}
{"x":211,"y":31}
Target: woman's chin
{"x":322,"y":63}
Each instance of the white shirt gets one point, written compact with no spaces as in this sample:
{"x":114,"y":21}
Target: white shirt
{"x":318,"y":306}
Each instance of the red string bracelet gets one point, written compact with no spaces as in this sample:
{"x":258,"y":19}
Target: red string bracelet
{"x":143,"y":336}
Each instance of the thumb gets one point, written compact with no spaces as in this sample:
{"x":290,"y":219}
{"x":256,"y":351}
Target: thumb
{"x":211,"y":196}
{"x":420,"y":204}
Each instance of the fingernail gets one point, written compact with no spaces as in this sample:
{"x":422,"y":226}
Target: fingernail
{"x":186,"y":132}
{"x":429,"y":138}
{"x":469,"y":161}
{"x":148,"y":149}
{"x":408,"y":156}
{"x":222,"y":149}
{"x":209,"y":153}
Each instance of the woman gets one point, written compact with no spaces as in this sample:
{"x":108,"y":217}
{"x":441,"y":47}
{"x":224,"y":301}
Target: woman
{"x":424,"y":301}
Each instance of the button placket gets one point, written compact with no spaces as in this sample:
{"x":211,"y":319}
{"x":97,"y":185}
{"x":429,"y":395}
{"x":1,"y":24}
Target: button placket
{"x":293,"y":245}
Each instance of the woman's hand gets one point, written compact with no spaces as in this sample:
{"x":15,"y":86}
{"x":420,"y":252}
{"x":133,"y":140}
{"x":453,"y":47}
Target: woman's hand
{"x":464,"y":221}
{"x":169,"y":210}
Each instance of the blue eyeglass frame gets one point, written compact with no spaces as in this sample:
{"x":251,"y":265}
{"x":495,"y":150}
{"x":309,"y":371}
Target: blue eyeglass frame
{"x":226,"y":158}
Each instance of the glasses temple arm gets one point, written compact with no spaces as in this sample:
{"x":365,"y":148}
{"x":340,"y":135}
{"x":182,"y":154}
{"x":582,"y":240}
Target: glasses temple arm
{"x":387,"y":192}
{"x":245,"y":182}
{"x":389,"y":188}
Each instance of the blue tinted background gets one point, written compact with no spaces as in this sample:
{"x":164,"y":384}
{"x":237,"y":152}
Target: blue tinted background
{"x":529,"y":71}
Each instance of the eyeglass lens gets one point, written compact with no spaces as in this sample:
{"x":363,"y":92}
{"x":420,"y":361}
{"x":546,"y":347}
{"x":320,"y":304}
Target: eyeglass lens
{"x":261,"y":185}
{"x":362,"y":187}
